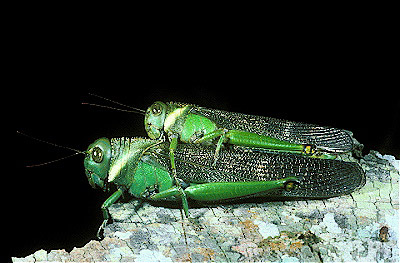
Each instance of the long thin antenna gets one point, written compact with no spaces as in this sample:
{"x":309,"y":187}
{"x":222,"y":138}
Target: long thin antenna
{"x":108,"y":107}
{"x":50,"y":143}
{"x":49,"y":162}
{"x":140,"y":111}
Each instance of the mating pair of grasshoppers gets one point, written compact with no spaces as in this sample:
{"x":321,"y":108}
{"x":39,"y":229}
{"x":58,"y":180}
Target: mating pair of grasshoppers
{"x":212,"y":155}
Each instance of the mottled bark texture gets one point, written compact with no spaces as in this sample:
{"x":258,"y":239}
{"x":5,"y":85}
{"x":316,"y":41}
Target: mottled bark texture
{"x":360,"y":227}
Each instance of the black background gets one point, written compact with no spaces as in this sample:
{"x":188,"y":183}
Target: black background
{"x":341,"y":78}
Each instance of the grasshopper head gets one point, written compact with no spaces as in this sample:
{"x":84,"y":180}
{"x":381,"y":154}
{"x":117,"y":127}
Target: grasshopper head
{"x":97,"y":162}
{"x":154,"y":119}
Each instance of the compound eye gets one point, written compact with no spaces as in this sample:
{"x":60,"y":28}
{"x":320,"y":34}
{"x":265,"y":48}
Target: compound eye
{"x":156,"y":109}
{"x":97,"y":154}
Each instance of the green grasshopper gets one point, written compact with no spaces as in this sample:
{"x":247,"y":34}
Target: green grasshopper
{"x":193,"y":124}
{"x":199,"y":125}
{"x":141,"y":168}
{"x":189,"y":123}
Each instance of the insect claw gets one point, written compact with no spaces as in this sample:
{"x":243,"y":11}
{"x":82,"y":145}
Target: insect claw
{"x":100,"y":231}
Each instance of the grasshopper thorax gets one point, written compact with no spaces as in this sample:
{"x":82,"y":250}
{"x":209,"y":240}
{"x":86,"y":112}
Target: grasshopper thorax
{"x":97,"y":162}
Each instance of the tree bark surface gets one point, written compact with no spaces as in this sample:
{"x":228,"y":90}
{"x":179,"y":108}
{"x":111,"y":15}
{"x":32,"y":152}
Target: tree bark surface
{"x":359,"y":227}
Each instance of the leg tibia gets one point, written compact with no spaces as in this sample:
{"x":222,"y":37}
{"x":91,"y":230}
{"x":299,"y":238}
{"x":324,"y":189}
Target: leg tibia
{"x":175,"y":191}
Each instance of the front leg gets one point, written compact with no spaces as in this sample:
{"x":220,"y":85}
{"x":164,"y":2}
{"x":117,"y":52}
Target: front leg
{"x":172,"y":147}
{"x":104,"y":207}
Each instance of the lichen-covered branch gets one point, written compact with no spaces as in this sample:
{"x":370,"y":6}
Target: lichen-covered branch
{"x":361,"y":227}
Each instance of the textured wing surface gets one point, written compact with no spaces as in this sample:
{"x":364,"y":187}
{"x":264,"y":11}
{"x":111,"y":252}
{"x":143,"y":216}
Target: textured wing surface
{"x":318,"y":178}
{"x":325,"y":138}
